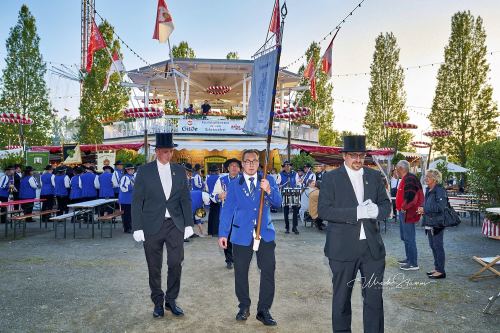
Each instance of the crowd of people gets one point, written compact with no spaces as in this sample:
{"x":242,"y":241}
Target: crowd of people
{"x":63,"y":185}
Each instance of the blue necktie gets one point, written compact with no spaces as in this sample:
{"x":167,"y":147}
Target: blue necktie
{"x":252,"y":185}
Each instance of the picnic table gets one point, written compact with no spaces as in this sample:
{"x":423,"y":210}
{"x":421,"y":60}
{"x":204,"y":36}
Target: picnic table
{"x":17,"y":202}
{"x":92,"y":205}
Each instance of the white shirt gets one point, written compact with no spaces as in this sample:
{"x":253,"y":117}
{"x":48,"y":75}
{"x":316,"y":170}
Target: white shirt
{"x":247,"y":180}
{"x":166,"y":181}
{"x":116,"y":179}
{"x":124,"y":183}
{"x":356,"y":178}
{"x":32,"y":182}
{"x":394,"y":182}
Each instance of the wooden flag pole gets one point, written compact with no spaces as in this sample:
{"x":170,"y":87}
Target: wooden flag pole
{"x":269,"y":130}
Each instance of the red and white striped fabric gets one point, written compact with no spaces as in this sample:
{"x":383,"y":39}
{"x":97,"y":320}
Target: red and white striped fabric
{"x":144,"y":109}
{"x":397,"y":124}
{"x":490,"y":229}
{"x":438,"y":133}
{"x":420,"y":144}
{"x":293,"y":110}
{"x":218,"y":90}
{"x":146,"y":112}
{"x":13,"y":147}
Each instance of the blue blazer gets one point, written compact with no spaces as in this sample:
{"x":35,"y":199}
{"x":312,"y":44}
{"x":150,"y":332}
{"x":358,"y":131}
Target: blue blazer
{"x":241,"y":208}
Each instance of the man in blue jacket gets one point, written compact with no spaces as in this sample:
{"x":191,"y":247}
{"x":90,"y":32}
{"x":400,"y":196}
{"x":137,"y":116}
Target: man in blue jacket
{"x":240,"y":211}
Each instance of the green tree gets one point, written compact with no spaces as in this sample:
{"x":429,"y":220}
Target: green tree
{"x":95,"y":103}
{"x":387,"y":97}
{"x":302,"y":159}
{"x":232,"y":55}
{"x":65,"y":130}
{"x":322,"y":108}
{"x":339,"y":140}
{"x":183,"y":51}
{"x":484,"y":170}
{"x":463,"y":100}
{"x":23,"y":86}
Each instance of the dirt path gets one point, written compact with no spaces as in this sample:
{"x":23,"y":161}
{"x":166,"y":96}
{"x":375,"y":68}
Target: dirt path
{"x":102,"y":286}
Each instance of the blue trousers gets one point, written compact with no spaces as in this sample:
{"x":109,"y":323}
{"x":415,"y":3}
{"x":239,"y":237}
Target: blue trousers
{"x":436,"y":243}
{"x":407,"y":231}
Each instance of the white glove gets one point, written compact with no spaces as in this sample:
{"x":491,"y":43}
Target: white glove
{"x":372,"y":211}
{"x":362,"y":212}
{"x":139,"y":236}
{"x":188,"y":232}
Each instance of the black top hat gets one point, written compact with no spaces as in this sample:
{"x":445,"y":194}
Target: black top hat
{"x":129,"y":166}
{"x":108,"y":167}
{"x":286,"y":163}
{"x":232,"y":160}
{"x":118,"y":163}
{"x":354,"y":143}
{"x":78,"y":170}
{"x":164,"y":140}
{"x":197,"y":167}
{"x":48,"y":167}
{"x":188,"y":167}
{"x":213,"y":168}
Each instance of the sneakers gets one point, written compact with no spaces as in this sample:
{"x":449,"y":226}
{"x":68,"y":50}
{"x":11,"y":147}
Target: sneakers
{"x":408,"y":267}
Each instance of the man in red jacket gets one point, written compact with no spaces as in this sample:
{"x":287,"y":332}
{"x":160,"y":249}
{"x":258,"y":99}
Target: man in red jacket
{"x":408,"y":198}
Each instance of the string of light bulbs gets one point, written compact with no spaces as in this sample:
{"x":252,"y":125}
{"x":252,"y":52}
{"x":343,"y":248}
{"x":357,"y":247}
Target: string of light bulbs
{"x":329,"y":34}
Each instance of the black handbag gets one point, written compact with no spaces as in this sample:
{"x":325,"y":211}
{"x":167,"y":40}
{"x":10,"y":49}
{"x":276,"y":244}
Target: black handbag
{"x":451,"y":218}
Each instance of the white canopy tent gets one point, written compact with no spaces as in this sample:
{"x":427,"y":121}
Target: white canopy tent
{"x":452,"y":167}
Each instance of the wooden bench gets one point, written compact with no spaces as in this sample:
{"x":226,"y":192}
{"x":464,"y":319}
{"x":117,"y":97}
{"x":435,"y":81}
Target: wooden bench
{"x":109,"y":218}
{"x":62,"y":219}
{"x":44,"y":213}
{"x":21,"y":219}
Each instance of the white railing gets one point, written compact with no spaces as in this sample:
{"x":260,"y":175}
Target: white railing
{"x":211,"y":125}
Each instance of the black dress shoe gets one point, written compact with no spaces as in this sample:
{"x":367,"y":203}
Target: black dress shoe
{"x":435,"y":277}
{"x":266,"y":318}
{"x":430,"y":273}
{"x":287,"y":231}
{"x":176,"y":311}
{"x":243,"y":314}
{"x":158,"y":311}
{"x":229,"y":265}
{"x":295,"y":231}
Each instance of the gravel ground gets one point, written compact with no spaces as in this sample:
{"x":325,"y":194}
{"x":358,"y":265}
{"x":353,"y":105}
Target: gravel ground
{"x":101,"y":285}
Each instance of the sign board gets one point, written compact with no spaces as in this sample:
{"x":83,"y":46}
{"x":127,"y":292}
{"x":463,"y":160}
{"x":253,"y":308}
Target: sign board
{"x":105,"y":158}
{"x":220,"y":126}
{"x":37,"y":159}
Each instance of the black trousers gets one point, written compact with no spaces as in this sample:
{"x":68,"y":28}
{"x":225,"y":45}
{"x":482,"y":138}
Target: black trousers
{"x":28,"y":209}
{"x":15,"y":195}
{"x":213,"y":219}
{"x":267,"y":265}
{"x":344,"y":277}
{"x":173,"y":239}
{"x":62,"y":204}
{"x":228,"y":252}
{"x":295,"y":217}
{"x":48,"y":204}
{"x":127,"y":217}
{"x":3,"y":210}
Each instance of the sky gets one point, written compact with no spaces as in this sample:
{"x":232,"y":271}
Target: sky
{"x":214,"y":28}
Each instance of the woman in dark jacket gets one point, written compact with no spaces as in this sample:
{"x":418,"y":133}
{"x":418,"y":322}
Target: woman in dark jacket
{"x":433,"y":219}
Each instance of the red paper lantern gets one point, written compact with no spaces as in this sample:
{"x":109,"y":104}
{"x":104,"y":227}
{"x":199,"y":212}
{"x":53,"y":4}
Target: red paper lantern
{"x":399,"y":125}
{"x":420,"y":144}
{"x":15,"y":118}
{"x":145,"y":112}
{"x":218,"y":90}
{"x":441,"y":133}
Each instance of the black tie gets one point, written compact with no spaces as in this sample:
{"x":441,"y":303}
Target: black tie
{"x":252,"y":185}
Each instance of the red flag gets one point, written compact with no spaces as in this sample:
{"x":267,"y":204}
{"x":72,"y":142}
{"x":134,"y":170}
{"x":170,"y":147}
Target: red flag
{"x":164,"y":24}
{"x":275,"y":20}
{"x":309,"y":71}
{"x":312,"y":86}
{"x":326,"y":60}
{"x":116,"y":67}
{"x":96,"y":42}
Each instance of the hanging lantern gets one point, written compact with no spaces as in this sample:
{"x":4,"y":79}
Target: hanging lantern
{"x":146,"y":112}
{"x":399,"y":125}
{"x":420,"y":144}
{"x":292,"y":113}
{"x":441,"y":133}
{"x":153,"y":101}
{"x":218,"y":90}
{"x":15,"y":118}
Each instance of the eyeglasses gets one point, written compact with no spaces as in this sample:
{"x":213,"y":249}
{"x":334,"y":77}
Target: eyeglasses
{"x":356,"y":156}
{"x":251,"y":162}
